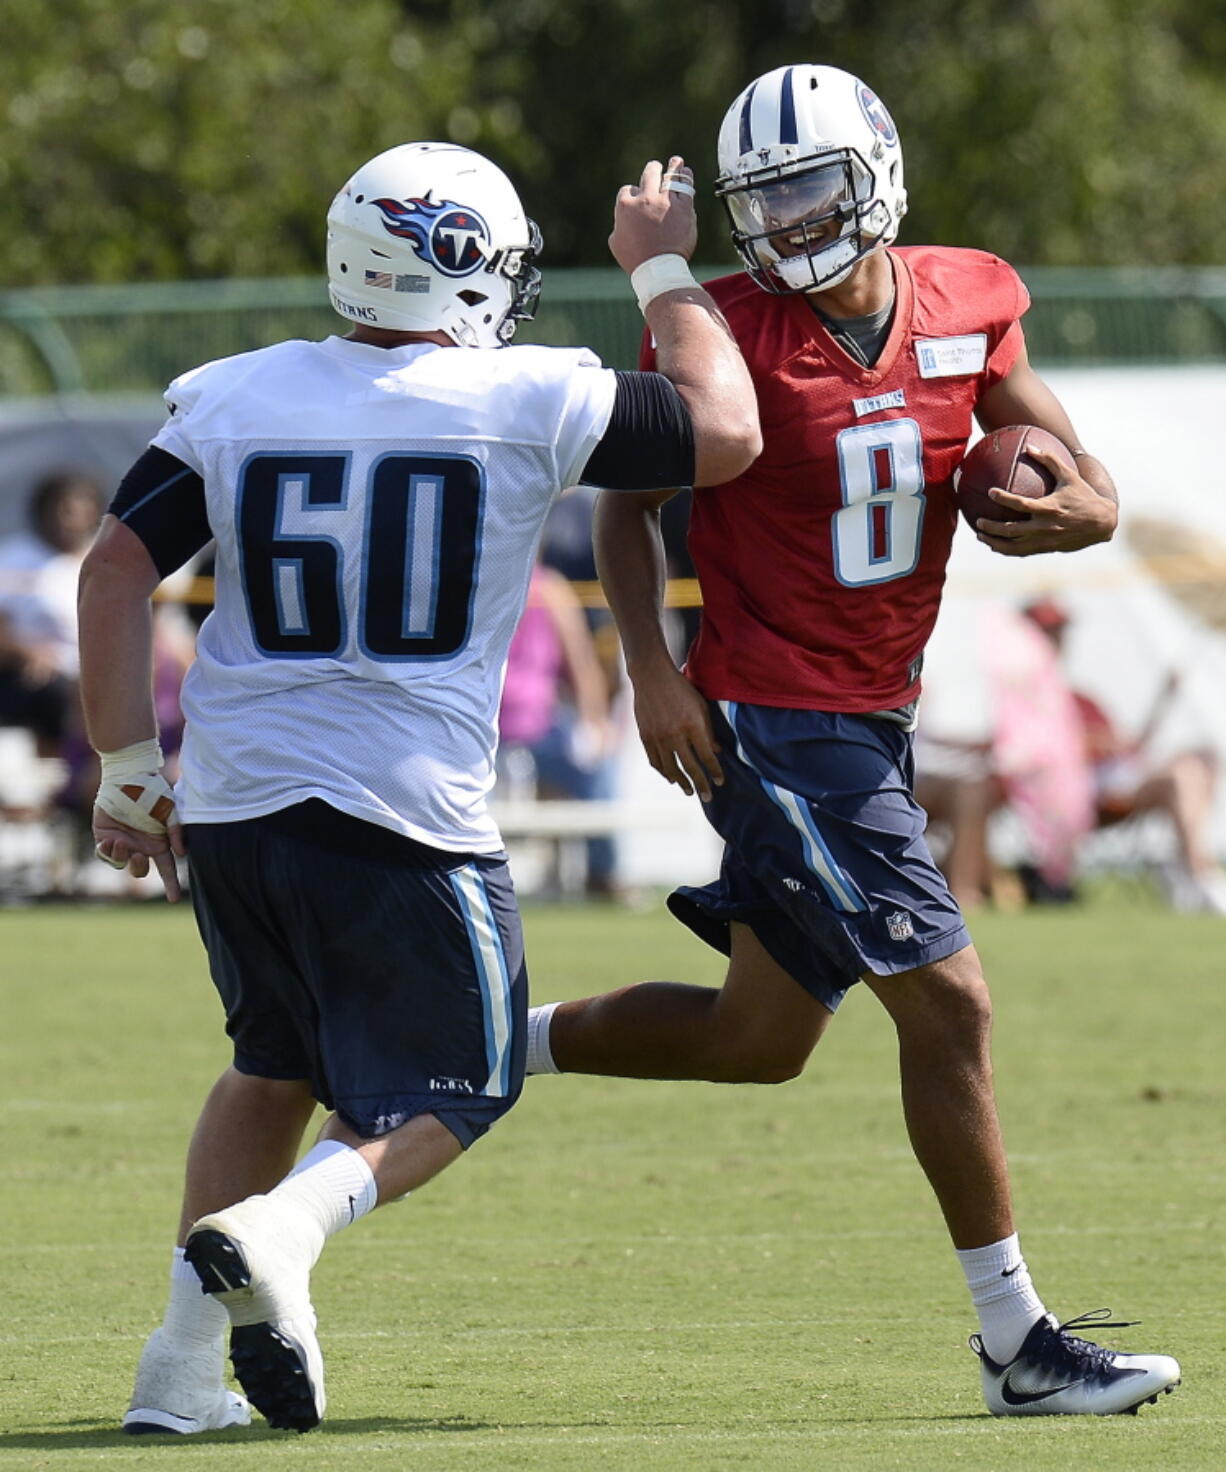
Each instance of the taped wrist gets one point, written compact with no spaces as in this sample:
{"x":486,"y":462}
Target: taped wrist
{"x":133,"y":790}
{"x":659,"y":274}
{"x":137,"y":760}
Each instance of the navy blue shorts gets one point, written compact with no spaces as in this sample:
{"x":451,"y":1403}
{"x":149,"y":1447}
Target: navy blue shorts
{"x":824,"y":857}
{"x":389,"y":974}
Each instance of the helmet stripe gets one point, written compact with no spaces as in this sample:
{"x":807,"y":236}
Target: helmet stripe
{"x":787,"y":110}
{"x":746,"y":132}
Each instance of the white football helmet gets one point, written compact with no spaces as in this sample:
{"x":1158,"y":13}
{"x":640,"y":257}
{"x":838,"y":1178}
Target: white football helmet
{"x":432,"y":237}
{"x":810,"y":172}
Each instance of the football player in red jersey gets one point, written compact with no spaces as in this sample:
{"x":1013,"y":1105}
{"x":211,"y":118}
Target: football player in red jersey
{"x":821,"y":569}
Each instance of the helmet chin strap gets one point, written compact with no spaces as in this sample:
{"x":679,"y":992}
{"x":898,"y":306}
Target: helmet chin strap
{"x":804,"y":273}
{"x":460,"y":332}
{"x":839,"y":278}
{"x":809,"y":281}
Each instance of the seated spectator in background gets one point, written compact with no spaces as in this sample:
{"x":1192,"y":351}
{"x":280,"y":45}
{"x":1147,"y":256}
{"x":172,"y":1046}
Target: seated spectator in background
{"x":567,"y":546}
{"x":675,"y":530}
{"x":1129,"y":780}
{"x":39,"y":569}
{"x":998,"y":726}
{"x":174,"y":649}
{"x":554,"y":719}
{"x":38,"y":609}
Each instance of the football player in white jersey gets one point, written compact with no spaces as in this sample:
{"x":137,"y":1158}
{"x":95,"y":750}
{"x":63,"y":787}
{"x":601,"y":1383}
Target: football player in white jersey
{"x":376,"y":502}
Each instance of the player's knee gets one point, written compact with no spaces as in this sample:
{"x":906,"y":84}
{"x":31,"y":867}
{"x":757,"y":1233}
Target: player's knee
{"x":946,"y":1005}
{"x":759,"y":1060}
{"x":973,"y":1012}
{"x":262,"y":1090}
{"x":754,"y":1071}
{"x":965,"y":1020}
{"x":961,"y":998}
{"x":777,"y":1071}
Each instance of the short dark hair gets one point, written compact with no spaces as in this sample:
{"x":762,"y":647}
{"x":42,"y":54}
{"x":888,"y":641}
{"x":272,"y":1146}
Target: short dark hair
{"x":50,"y":488}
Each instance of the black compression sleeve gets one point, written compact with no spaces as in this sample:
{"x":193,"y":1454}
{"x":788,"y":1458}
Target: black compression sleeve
{"x":162,"y":501}
{"x":649,"y":444}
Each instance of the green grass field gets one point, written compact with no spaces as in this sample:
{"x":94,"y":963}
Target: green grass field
{"x":641,"y":1275}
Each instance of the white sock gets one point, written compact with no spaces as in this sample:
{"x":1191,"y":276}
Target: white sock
{"x":331,"y":1185}
{"x":192,"y":1318}
{"x":540,"y":1059}
{"x":1003,"y":1295}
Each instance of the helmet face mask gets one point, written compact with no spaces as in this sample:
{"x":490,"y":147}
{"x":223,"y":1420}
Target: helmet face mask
{"x":810,"y":176}
{"x":800,"y":230}
{"x":520,"y":269}
{"x":431,"y":237}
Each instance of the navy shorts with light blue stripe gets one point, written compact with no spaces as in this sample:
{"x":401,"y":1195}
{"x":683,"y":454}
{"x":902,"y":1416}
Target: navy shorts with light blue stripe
{"x":389,"y":974}
{"x":824,"y":855}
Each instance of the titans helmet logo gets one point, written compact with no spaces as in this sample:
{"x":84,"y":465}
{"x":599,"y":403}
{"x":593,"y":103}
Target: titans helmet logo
{"x":447,"y":236}
{"x":878,"y":118}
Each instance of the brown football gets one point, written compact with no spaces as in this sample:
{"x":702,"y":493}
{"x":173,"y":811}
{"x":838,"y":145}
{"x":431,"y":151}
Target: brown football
{"x":1000,"y":459}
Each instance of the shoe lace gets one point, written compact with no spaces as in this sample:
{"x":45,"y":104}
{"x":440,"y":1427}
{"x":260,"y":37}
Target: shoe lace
{"x":1066,"y":1354}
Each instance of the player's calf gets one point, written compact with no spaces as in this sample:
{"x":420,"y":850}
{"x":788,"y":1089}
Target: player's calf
{"x":661,"y":1030}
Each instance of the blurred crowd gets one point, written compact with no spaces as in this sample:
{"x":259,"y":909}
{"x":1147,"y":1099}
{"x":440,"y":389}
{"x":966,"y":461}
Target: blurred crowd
{"x":1007,"y":744}
{"x":1007,"y":741}
{"x":48,"y":772}
{"x":562,"y":714}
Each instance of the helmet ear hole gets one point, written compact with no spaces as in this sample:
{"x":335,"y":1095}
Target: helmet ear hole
{"x":473,"y":298}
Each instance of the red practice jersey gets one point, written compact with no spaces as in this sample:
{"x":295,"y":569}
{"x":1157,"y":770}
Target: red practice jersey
{"x":821,"y":567}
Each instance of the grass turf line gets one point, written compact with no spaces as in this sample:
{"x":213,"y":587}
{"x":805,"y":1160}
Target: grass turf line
{"x":652,"y":1275}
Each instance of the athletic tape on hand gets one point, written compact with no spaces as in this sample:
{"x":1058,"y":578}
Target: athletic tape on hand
{"x":136,"y":760}
{"x":133,"y":790}
{"x":145,"y":802}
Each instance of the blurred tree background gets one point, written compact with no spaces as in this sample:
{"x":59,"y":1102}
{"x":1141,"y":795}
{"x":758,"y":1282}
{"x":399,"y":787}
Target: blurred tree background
{"x":172,"y":139}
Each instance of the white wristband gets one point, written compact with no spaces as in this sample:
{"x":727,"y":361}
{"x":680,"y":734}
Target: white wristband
{"x":137,"y":760}
{"x":659,"y":274}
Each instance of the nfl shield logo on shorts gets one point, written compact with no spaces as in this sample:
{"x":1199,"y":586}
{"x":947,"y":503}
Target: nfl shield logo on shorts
{"x":899,"y":925}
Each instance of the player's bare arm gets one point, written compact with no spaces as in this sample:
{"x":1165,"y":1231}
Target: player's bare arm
{"x":116,"y":635}
{"x":1081,"y":510}
{"x":652,"y":221}
{"x":673,"y":722}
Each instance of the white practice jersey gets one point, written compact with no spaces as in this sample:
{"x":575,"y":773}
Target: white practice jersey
{"x":377,"y":513}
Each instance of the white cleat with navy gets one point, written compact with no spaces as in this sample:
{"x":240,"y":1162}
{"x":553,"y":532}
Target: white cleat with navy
{"x":1055,"y":1373}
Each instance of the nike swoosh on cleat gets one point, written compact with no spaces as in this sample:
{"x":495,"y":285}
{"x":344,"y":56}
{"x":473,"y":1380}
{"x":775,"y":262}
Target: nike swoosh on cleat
{"x":1013,"y":1397}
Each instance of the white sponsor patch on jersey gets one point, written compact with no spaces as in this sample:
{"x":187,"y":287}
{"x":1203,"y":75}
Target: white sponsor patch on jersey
{"x":896,"y":399}
{"x":952,"y":357}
